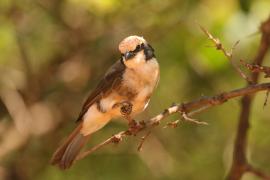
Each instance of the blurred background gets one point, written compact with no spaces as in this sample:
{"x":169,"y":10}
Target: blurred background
{"x":53,"y":53}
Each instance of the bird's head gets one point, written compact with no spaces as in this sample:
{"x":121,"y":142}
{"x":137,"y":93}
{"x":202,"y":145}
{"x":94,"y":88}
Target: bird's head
{"x":135,"y":51}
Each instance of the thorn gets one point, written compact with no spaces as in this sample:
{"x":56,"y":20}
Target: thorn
{"x":143,"y":140}
{"x":173,"y":124}
{"x":266,"y":98}
{"x":235,"y":44}
{"x":184,"y":115}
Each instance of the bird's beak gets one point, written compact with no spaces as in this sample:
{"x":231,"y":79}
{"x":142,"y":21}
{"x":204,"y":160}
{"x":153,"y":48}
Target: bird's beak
{"x":149,"y":52}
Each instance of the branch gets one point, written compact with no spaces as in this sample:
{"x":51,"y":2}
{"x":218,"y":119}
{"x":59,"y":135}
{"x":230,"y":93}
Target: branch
{"x":257,"y":172}
{"x":255,"y":68}
{"x":229,"y":55}
{"x":239,"y":155}
{"x":114,"y":139}
{"x":185,"y":108}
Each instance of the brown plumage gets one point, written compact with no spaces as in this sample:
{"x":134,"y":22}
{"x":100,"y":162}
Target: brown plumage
{"x":65,"y":155}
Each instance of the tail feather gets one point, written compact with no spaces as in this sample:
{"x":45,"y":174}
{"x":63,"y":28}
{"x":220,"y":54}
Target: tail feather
{"x":65,"y":155}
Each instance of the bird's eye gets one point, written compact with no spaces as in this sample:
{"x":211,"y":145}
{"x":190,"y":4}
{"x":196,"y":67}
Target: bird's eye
{"x":138,"y":47}
{"x":129,"y":55}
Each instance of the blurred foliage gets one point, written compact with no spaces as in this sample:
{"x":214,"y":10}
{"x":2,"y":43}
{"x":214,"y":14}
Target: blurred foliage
{"x":53,"y":52}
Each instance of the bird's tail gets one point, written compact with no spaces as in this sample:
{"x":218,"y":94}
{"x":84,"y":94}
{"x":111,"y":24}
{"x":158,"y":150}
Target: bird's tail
{"x":65,"y":155}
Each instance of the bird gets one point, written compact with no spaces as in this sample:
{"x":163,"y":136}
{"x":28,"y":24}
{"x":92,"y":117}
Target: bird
{"x":124,"y":91}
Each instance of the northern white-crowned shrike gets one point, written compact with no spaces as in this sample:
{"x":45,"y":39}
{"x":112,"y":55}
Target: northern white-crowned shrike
{"x":131,"y":80}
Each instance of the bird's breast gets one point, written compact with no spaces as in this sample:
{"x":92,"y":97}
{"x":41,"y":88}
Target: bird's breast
{"x":140,"y":82}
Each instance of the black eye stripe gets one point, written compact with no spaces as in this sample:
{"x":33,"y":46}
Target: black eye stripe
{"x":148,"y":51}
{"x":138,"y":48}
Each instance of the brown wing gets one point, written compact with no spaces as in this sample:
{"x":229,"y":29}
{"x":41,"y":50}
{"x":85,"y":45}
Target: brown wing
{"x":110,"y":81}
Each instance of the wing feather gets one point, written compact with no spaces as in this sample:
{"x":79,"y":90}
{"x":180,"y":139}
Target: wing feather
{"x":110,"y":81}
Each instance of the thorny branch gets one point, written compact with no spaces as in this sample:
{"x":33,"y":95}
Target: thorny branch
{"x":229,"y":55}
{"x":255,"y":68}
{"x":257,"y":172}
{"x":185,"y":108}
{"x":240,"y":162}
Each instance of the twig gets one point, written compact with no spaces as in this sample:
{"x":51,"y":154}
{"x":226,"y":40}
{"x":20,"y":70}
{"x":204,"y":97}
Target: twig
{"x":114,"y":139}
{"x":257,"y":172}
{"x":143,"y":140}
{"x":255,"y":68}
{"x":229,"y":55}
{"x":185,"y":116}
{"x":198,"y":110}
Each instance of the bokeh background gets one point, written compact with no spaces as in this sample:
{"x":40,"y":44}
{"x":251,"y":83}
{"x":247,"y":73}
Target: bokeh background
{"x":52,"y":53}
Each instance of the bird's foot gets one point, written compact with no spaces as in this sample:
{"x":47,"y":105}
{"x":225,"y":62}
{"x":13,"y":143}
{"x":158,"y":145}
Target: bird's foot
{"x":132,"y":123}
{"x":134,"y":127}
{"x":126,"y":108}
